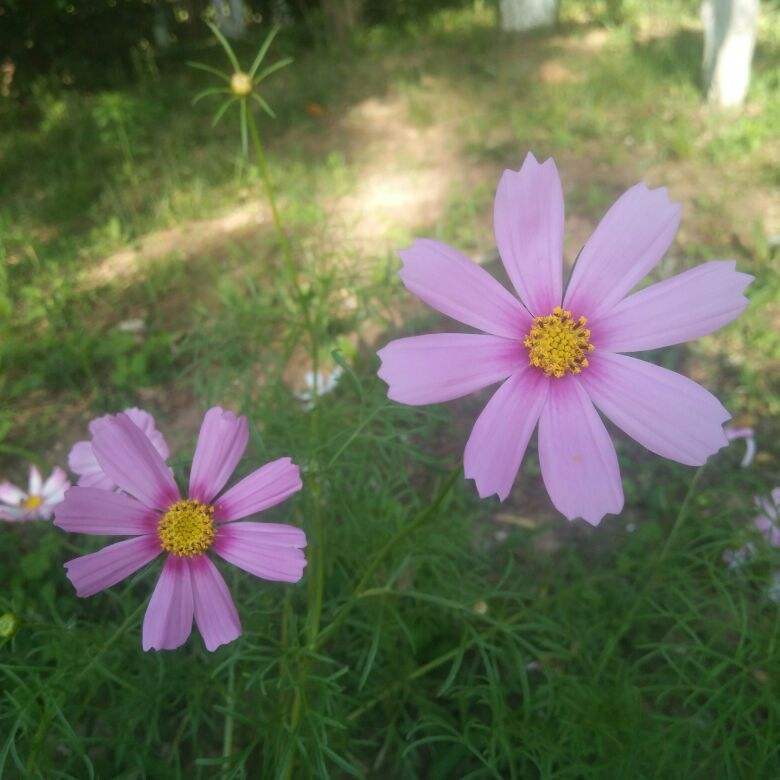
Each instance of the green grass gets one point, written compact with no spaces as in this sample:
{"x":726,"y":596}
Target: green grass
{"x":493,"y":640}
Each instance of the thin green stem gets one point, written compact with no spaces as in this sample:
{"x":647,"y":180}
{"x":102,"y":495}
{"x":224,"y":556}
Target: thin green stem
{"x":421,"y":671}
{"x":318,"y":579}
{"x":422,"y":517}
{"x":227,"y":732}
{"x":51,"y":708}
{"x":649,"y":580}
{"x":299,"y":305}
{"x":262,"y":167}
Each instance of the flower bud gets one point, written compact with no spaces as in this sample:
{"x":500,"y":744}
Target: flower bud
{"x":240,"y":84}
{"x":9,"y":624}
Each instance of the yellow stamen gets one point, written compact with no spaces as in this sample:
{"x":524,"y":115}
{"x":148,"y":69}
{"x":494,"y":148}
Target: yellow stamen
{"x":187,"y":528}
{"x":558,"y":344}
{"x":31,"y":503}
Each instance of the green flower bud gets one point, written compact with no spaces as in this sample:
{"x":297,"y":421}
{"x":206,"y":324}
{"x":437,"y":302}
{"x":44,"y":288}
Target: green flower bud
{"x":241,"y":84}
{"x":9,"y":624}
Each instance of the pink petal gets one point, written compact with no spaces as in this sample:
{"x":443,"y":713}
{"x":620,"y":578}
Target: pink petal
{"x":215,"y":612}
{"x":45,"y":510}
{"x":768,"y":507}
{"x":100,"y":570}
{"x":528,"y":224}
{"x":128,"y":458}
{"x":442,"y":366}
{"x":685,"y":307}
{"x":267,"y":550}
{"x":266,"y":487}
{"x":498,"y":441}
{"x":55,"y":486}
{"x":628,"y":243}
{"x":664,"y":411}
{"x":82,"y":461}
{"x":10,"y":494}
{"x":768,"y":529}
{"x":578,"y":459}
{"x":221,"y":443}
{"x":450,"y":283}
{"x":94,"y":511}
{"x":35,"y":482}
{"x":146,"y":423}
{"x":168,"y":619}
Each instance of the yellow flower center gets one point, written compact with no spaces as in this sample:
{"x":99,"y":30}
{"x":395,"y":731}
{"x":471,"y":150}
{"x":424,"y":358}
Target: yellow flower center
{"x":31,"y":503}
{"x":559,"y":344}
{"x":240,"y":84}
{"x":187,"y":528}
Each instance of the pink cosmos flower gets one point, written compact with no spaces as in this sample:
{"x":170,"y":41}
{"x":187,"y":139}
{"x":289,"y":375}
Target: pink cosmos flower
{"x":558,"y":354}
{"x":768,"y":522}
{"x":38,"y":502}
{"x":82,"y":460}
{"x":151,"y":511}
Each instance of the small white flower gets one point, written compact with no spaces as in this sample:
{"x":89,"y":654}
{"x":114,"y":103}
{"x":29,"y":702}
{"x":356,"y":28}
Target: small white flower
{"x":736,"y":559}
{"x":38,"y":502}
{"x":774,"y":589}
{"x":768,"y":522}
{"x":325,"y":384}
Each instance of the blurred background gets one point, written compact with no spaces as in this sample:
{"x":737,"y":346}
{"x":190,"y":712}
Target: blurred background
{"x":130,"y":230}
{"x":138,"y":266}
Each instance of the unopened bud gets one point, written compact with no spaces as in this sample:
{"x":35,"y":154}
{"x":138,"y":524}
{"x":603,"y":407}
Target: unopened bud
{"x":240,"y":84}
{"x":9,"y":624}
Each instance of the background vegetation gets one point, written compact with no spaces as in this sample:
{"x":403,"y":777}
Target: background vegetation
{"x":139,"y":267}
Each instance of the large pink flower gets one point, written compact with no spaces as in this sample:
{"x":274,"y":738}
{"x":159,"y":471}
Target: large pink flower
{"x":38,"y":502}
{"x":153,"y":513}
{"x":558,"y":354}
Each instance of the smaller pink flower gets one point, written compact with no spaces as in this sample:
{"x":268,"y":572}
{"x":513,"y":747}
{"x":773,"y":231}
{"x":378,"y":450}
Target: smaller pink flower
{"x":82,"y":460}
{"x":732,"y":434}
{"x":38,"y":502}
{"x":768,"y":522}
{"x":151,"y":511}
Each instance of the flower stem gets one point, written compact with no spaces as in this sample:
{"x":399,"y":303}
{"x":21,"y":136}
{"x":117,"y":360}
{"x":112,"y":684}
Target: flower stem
{"x":284,"y":239}
{"x":227,"y":733}
{"x":609,"y":648}
{"x":299,"y":306}
{"x":55,"y":703}
{"x":317,"y":638}
{"x":422,"y":517}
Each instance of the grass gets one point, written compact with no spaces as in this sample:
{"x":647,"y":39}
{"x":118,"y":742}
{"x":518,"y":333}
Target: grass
{"x":492,"y":640}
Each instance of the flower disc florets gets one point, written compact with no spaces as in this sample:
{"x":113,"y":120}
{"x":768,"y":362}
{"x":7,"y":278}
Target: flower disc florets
{"x":187,"y":528}
{"x":558,"y":344}
{"x":31,"y":503}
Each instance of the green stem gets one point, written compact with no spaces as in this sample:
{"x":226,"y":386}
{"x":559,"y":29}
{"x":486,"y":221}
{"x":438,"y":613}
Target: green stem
{"x":50,"y":711}
{"x":227,"y":733}
{"x":299,"y":306}
{"x":649,"y":581}
{"x":422,"y":517}
{"x":317,"y":638}
{"x":265,"y":177}
{"x":421,"y":671}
